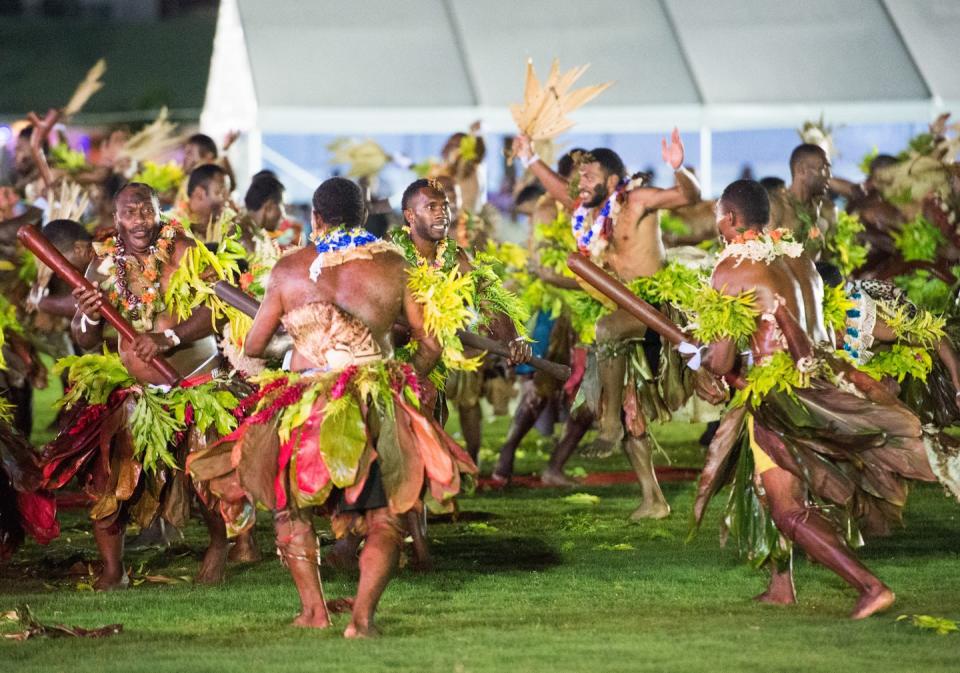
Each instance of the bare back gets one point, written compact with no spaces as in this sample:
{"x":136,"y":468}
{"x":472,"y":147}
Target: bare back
{"x":768,"y":281}
{"x":371,"y":290}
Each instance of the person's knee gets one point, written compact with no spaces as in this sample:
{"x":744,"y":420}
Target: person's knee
{"x":787,"y":515}
{"x":384,"y":525}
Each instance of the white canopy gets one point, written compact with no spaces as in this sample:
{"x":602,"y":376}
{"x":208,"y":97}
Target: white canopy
{"x":434,"y":66}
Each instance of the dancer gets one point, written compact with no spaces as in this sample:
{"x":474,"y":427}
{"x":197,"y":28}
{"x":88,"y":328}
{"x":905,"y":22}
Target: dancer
{"x":807,"y":438}
{"x":357,"y":442}
{"x":615,"y":221}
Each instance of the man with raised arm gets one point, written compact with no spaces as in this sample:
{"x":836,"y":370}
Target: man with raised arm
{"x":615,"y":221}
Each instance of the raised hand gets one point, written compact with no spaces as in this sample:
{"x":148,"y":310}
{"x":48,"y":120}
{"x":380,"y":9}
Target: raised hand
{"x":673,"y":153}
{"x":230,"y":138}
{"x":522,"y":147}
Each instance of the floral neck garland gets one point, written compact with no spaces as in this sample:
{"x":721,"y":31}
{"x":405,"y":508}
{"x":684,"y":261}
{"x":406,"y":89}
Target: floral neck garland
{"x":140,"y":309}
{"x":446,"y":257}
{"x":594,"y":239}
{"x":341,"y":240}
{"x":761,"y":247}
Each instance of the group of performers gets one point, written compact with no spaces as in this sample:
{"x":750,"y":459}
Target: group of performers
{"x":218,"y":359}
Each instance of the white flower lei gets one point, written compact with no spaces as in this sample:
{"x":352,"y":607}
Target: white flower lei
{"x":762,"y":249}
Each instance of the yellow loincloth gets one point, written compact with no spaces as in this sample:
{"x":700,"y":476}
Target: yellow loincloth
{"x":761,"y":461}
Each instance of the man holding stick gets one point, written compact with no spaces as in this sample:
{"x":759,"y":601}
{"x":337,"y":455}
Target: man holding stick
{"x":806,"y":438}
{"x":615,"y":221}
{"x":130,"y":435}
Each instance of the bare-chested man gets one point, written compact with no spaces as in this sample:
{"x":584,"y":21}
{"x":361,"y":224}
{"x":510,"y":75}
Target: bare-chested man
{"x":339,"y":302}
{"x":788,"y":280}
{"x":208,"y":193}
{"x":805,"y":208}
{"x":628,"y":244}
{"x":189,"y":345}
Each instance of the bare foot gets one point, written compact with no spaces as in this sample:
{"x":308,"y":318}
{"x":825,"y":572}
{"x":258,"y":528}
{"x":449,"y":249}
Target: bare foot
{"x":551,"y":477}
{"x":212,"y":567}
{"x":499,"y":480}
{"x":874,"y":601}
{"x":355,"y":630}
{"x":244,"y":550}
{"x":602,"y":448}
{"x":312,"y":619}
{"x":773,"y":597}
{"x":420,"y":564}
{"x":652,"y":510}
{"x":338,"y":606}
{"x":112,"y":582}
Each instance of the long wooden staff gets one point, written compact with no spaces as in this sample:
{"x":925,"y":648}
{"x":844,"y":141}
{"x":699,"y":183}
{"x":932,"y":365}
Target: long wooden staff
{"x":634,"y":305}
{"x":38,"y":244}
{"x":244,"y":302}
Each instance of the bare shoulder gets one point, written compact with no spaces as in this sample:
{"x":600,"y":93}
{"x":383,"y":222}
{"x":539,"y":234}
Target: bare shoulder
{"x":731,"y":277}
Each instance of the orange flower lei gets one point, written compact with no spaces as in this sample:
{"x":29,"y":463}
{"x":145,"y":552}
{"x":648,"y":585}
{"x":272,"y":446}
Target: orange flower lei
{"x":138,"y":309}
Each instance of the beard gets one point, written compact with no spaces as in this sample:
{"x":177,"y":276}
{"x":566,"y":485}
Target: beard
{"x":597,"y":196}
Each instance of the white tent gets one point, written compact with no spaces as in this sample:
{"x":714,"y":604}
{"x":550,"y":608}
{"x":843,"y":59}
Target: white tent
{"x":434,"y":66}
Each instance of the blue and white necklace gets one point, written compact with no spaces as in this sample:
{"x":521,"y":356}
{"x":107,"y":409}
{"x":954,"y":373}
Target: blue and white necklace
{"x":592,"y":240}
{"x":339,"y":240}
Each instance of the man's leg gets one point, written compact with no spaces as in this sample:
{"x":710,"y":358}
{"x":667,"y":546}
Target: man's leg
{"x":108,"y":534}
{"x":640,"y":452}
{"x":529,"y":409}
{"x":576,"y":427}
{"x":297,"y":545}
{"x":612,"y":330}
{"x":819,"y":539}
{"x":377,"y":561}
{"x":215,"y":558}
{"x":244,"y":549}
{"x":471,"y":420}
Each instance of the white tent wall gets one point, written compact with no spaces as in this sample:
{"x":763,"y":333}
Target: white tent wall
{"x":292,"y":70}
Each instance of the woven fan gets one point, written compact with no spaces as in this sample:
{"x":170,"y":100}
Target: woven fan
{"x":543,"y":113}
{"x":90,"y":85}
{"x":152,"y":141}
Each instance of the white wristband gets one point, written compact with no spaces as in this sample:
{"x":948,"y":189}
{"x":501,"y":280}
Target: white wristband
{"x":85,"y":320}
{"x":170,"y":334}
{"x":530,"y":161}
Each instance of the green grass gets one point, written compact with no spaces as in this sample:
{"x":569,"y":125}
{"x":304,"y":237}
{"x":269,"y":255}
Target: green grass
{"x":524,"y":582}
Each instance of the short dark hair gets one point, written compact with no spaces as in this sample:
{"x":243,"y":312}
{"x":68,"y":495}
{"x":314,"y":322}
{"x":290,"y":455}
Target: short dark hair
{"x":568,"y":161}
{"x":772,"y":183}
{"x":882,"y":161}
{"x":262,"y":189}
{"x":749,"y":200}
{"x":414,"y":188}
{"x":64,"y":233}
{"x":528,"y":193}
{"x":142,"y":188}
{"x":339,"y":201}
{"x":803,"y":153}
{"x":202,"y":175}
{"x":609,"y":160}
{"x":204,"y":143}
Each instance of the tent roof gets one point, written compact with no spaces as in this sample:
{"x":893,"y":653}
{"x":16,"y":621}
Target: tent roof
{"x":433,"y":65}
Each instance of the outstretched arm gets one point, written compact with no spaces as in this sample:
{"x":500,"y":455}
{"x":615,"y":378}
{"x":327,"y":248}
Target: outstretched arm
{"x":684,"y":193}
{"x":555,"y":185}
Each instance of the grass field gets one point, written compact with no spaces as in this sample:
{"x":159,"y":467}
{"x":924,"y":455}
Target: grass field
{"x":526,"y":581}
